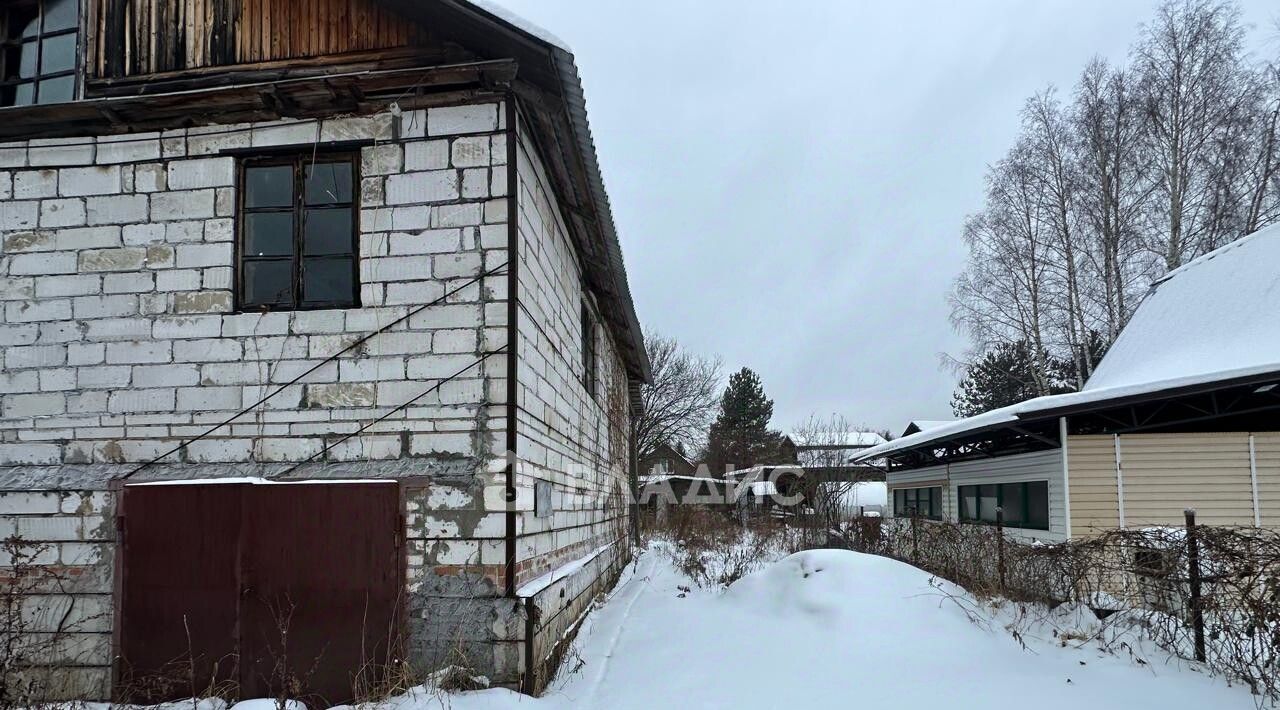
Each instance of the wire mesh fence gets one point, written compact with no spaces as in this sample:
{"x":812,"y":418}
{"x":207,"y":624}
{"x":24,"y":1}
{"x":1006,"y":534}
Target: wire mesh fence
{"x":1210,"y":594}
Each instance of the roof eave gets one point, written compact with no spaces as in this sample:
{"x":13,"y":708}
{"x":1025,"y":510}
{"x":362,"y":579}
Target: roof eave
{"x":1259,"y":378}
{"x":574,"y":106}
{"x":1040,"y":415}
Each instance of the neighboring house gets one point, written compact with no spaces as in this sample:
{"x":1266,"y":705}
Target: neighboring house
{"x":667,"y":476}
{"x":785,"y":485}
{"x":666,"y":460}
{"x":833,"y":456}
{"x":674,"y":489}
{"x":1183,"y":412}
{"x":829,"y":449}
{"x":359,"y":250}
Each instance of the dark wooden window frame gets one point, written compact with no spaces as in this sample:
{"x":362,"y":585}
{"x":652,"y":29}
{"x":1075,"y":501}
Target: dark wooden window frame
{"x":299,"y":161}
{"x":8,"y":41}
{"x":590,"y":361}
{"x":1025,"y":512}
{"x":901,"y":508}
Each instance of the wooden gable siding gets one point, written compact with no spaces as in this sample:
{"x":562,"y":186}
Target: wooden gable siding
{"x":141,"y":37}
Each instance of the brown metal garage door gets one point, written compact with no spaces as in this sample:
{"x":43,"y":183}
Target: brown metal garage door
{"x":262,"y":587}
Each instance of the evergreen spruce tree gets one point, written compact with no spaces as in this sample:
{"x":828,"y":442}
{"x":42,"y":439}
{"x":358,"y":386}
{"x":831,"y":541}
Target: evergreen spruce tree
{"x":1007,"y":375}
{"x":740,"y":436}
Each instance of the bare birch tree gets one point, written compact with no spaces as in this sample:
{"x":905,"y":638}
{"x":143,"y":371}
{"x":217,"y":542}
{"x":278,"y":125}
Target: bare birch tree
{"x":1052,"y":163}
{"x":1190,"y":81}
{"x":1145,"y":168}
{"x":1261,"y":169}
{"x":1003,"y":294}
{"x":1114,"y":191}
{"x":824,"y":453}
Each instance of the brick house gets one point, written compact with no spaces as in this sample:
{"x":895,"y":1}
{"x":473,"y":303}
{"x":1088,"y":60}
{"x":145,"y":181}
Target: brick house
{"x":346,"y":272}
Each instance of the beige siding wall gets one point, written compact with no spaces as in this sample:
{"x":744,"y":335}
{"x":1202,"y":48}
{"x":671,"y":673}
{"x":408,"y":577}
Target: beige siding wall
{"x":1092,"y":484}
{"x":1164,"y":474}
{"x":1267,"y":452}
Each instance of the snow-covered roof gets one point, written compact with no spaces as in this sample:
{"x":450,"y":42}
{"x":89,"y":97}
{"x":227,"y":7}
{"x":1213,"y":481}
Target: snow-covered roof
{"x":1216,"y":318}
{"x":753,"y":473}
{"x":600,"y":220}
{"x":1219,"y":313}
{"x":518,"y":22}
{"x":993,"y":418}
{"x":834,"y":439}
{"x":660,"y":477}
{"x":927,"y":424}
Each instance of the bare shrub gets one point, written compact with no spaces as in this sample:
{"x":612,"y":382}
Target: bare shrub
{"x":39,"y":643}
{"x":180,"y":676}
{"x":716,"y":550}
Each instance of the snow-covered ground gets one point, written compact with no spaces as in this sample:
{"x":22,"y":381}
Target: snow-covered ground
{"x":837,"y":629}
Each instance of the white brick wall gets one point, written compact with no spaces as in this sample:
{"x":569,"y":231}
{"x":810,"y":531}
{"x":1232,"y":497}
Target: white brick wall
{"x":574,"y":441}
{"x":116,"y":297}
{"x":118,"y":339}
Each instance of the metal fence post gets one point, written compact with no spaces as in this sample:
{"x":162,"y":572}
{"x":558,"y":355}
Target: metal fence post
{"x":1193,"y":578}
{"x":915,"y":536}
{"x":1000,"y":545}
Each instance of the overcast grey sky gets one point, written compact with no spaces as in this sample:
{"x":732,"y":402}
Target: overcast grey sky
{"x":790,"y":178}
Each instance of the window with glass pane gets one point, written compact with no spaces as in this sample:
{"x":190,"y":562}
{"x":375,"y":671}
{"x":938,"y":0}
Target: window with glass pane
{"x":1038,"y":505}
{"x":298,"y":233}
{"x":925,"y":502}
{"x":968,"y":498}
{"x":1025,"y":505}
{"x":1013,"y":501}
{"x":38,"y":62}
{"x":988,"y":501}
{"x":588,"y":350}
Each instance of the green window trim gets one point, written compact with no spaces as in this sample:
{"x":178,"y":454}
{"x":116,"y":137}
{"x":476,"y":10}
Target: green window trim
{"x":1025,"y":504}
{"x":925,"y":501}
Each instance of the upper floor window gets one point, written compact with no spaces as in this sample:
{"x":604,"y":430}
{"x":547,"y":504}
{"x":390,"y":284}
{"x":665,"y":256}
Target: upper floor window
{"x":41,"y":43}
{"x":298,"y":234}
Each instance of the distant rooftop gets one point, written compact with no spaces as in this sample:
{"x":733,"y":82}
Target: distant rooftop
{"x":837,"y":439}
